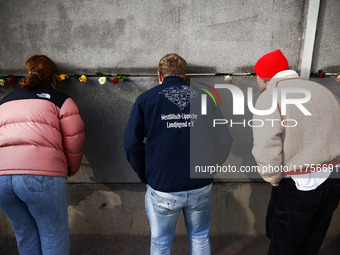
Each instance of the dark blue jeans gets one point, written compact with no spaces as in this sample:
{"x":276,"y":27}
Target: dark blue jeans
{"x":37,"y":208}
{"x":297,"y":221}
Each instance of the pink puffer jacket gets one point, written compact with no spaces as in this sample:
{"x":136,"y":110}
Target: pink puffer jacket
{"x":41,"y":133}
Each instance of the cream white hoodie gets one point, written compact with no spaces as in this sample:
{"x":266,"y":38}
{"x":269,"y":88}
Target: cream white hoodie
{"x":314,"y":140}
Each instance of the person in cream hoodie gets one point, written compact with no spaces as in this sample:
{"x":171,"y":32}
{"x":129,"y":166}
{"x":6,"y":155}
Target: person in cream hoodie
{"x":297,"y":150}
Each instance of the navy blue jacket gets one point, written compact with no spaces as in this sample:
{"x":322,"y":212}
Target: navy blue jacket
{"x":157,"y":137}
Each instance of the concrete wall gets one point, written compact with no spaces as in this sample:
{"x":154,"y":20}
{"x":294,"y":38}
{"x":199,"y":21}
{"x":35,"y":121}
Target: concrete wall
{"x":105,"y":197}
{"x":131,"y":36}
{"x":105,"y":110}
{"x":327,"y":47}
{"x":112,"y":217}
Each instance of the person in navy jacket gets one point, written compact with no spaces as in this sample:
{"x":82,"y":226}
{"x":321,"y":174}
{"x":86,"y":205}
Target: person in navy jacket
{"x":159,"y":147}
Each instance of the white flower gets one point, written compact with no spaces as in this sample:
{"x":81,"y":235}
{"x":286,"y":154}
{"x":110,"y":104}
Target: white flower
{"x":227,"y":78}
{"x":102,"y":80}
{"x":2,"y":82}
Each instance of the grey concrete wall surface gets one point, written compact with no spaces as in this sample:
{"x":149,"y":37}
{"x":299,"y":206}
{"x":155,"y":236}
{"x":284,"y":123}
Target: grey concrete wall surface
{"x":105,"y":110}
{"x":327,"y":44}
{"x":104,"y":217}
{"x":131,"y":36}
{"x":106,"y":200}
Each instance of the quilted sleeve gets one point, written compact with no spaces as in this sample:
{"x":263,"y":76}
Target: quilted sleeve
{"x":72,"y":129}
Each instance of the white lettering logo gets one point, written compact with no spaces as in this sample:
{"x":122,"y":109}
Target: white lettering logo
{"x":44,"y":95}
{"x":238,"y":100}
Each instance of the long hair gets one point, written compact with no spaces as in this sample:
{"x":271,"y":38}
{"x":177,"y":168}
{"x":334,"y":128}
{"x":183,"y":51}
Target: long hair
{"x":40,"y":69}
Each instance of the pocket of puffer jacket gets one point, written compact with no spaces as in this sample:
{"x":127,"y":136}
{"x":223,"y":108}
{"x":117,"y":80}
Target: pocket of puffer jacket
{"x":38,"y":183}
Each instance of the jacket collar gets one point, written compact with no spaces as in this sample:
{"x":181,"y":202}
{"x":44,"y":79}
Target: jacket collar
{"x":172,"y":79}
{"x":286,"y":74}
{"x":283,"y":75}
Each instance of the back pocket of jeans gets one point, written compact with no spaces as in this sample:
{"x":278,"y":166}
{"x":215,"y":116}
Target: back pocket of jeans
{"x":202,"y":200}
{"x":161,"y":205}
{"x":38,"y":183}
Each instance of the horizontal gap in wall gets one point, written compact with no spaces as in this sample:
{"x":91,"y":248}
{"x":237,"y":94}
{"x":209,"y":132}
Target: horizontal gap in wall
{"x":139,"y":183}
{"x":198,"y":74}
{"x":155,"y":75}
{"x":145,"y":75}
{"x":212,"y":74}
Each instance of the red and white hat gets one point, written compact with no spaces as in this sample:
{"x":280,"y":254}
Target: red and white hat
{"x":270,"y":64}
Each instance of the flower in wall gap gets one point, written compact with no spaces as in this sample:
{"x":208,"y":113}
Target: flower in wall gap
{"x":227,"y":79}
{"x":121,"y":77}
{"x":12,"y":80}
{"x":2,"y":82}
{"x":62,"y":77}
{"x":83,"y":78}
{"x":115,"y":80}
{"x":102,"y":80}
{"x":321,"y":74}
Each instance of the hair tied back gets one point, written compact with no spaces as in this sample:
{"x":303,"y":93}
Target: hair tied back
{"x":34,"y":73}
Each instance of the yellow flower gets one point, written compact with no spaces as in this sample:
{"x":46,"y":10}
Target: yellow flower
{"x":83,"y":78}
{"x":2,"y":82}
{"x":61,"y":77}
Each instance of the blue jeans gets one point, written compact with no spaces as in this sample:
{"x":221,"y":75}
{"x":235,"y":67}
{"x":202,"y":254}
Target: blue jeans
{"x":163,"y":209}
{"x":37,"y":208}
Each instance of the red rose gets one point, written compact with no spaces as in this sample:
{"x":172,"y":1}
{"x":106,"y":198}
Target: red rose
{"x":321,"y":75}
{"x":115,"y":80}
{"x":12,"y":81}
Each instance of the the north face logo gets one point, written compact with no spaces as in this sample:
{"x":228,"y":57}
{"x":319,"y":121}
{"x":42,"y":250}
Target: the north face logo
{"x":44,"y":95}
{"x":179,"y":96}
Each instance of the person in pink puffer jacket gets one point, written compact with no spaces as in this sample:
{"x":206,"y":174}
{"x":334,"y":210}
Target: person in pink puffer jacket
{"x":41,"y":143}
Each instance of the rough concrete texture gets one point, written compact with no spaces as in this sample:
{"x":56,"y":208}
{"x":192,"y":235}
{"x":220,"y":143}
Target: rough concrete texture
{"x":106,"y":203}
{"x":131,"y":36}
{"x":327,"y":44}
{"x":237,"y":209}
{"x":110,"y":219}
{"x":105,"y":110}
{"x":140,"y":245}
